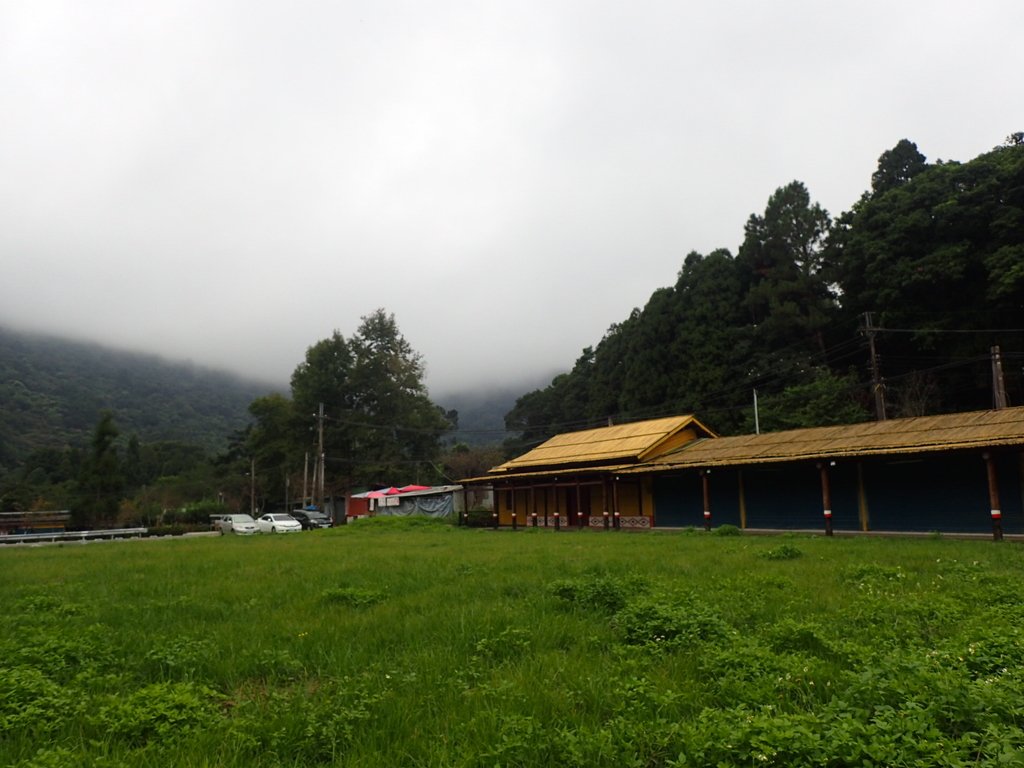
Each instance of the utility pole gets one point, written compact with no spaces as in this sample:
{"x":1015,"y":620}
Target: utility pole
{"x":877,"y":388}
{"x":757,"y":421}
{"x":305,"y":481}
{"x":998,"y":382}
{"x":320,"y":454}
{"x":252,"y":487}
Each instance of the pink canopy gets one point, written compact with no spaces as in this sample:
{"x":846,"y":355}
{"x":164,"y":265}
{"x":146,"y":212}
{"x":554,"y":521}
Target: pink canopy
{"x":392,"y":491}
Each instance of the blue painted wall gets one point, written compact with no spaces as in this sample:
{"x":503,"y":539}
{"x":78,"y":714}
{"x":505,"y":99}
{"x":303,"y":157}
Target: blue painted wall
{"x":923,"y":492}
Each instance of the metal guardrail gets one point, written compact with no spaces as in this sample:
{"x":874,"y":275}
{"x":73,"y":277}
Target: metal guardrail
{"x":111,"y":533}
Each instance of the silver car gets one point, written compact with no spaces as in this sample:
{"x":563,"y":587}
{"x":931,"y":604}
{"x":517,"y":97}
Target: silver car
{"x":243,"y":525}
{"x":278,"y":523}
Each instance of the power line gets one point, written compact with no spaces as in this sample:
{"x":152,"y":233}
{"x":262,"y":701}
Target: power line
{"x":949,"y":330}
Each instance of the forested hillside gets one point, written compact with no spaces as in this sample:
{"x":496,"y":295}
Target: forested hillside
{"x":929,"y":264}
{"x":53,"y":392}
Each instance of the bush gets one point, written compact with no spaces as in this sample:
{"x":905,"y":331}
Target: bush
{"x":197,"y":513}
{"x":654,"y":622}
{"x":726,"y":530}
{"x":478,"y":518}
{"x":596,"y":592}
{"x":158,"y":712}
{"x":30,"y":702}
{"x":782,"y":552}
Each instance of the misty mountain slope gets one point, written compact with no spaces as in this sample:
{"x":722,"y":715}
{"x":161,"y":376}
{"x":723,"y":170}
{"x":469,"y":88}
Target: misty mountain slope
{"x":52,"y":392}
{"x":482,"y":414}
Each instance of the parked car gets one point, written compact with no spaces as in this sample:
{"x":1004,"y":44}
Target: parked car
{"x":242,"y":525}
{"x":278,"y":523}
{"x":311,"y":519}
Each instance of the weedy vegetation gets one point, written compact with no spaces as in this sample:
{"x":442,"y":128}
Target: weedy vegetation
{"x":390,"y":643}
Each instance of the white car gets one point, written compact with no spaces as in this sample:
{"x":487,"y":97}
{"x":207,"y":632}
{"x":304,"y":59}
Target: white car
{"x":278,"y":523}
{"x":240,"y":524}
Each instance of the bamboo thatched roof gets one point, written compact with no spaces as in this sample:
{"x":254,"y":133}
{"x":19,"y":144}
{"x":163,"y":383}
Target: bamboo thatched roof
{"x":621,"y":443}
{"x":979,"y":429}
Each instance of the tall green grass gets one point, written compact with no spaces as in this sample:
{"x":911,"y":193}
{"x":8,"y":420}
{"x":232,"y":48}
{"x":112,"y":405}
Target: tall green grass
{"x":395,"y":642}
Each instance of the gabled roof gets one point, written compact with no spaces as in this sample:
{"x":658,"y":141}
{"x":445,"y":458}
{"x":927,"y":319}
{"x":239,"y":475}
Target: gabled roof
{"x":979,"y":429}
{"x":622,"y":443}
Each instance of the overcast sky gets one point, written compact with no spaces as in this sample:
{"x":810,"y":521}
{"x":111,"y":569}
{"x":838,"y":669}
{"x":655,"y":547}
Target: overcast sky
{"x":229,"y":181}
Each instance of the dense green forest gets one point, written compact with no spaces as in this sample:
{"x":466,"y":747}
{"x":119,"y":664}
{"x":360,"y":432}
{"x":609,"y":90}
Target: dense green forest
{"x":53,"y":391}
{"x":928,"y":265}
{"x":115,"y":436}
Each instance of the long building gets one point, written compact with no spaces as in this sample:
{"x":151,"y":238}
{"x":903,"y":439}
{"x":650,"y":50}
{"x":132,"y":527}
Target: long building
{"x":959,"y":472}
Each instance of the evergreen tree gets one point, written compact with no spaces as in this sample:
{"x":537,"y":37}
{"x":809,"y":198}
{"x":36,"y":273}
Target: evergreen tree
{"x":897,"y":166}
{"x":101,"y":480}
{"x":381,"y":425}
{"x":396,"y":430}
{"x":271,"y":443}
{"x":787,"y":296}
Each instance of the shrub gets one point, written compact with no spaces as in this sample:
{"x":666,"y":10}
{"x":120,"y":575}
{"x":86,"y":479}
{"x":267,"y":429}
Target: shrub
{"x":30,"y":702}
{"x":655,"y":622}
{"x":871,"y":577}
{"x":478,"y":518}
{"x":781,"y":552}
{"x":158,"y":712}
{"x":726,"y":530}
{"x":790,"y":636}
{"x":596,"y":593}
{"x":179,"y":657}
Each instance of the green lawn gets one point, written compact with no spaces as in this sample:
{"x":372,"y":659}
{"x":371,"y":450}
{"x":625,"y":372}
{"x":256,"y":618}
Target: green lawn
{"x":391,"y":643}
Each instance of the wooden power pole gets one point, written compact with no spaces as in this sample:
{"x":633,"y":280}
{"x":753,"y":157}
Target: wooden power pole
{"x":877,"y":388}
{"x":998,"y":382}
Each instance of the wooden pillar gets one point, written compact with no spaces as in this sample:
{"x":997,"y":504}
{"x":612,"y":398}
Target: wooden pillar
{"x":558,"y":510}
{"x":533,"y":505}
{"x":705,"y":486}
{"x":546,"y":489}
{"x":826,"y":496}
{"x":743,"y":499}
{"x":862,"y":499}
{"x":605,"y":492}
{"x":579,"y":504}
{"x":616,"y":515}
{"x":993,"y":497}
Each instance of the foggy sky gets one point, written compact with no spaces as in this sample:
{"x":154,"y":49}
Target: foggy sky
{"x":228,"y":182}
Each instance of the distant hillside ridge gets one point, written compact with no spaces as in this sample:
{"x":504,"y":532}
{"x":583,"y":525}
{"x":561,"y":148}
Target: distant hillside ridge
{"x":53,"y":391}
{"x":481,"y":415}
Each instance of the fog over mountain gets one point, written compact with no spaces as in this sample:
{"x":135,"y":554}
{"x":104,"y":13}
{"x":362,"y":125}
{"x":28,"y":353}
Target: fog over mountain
{"x":230,"y":182}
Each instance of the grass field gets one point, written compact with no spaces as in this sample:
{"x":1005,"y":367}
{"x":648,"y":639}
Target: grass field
{"x":394,"y":643}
